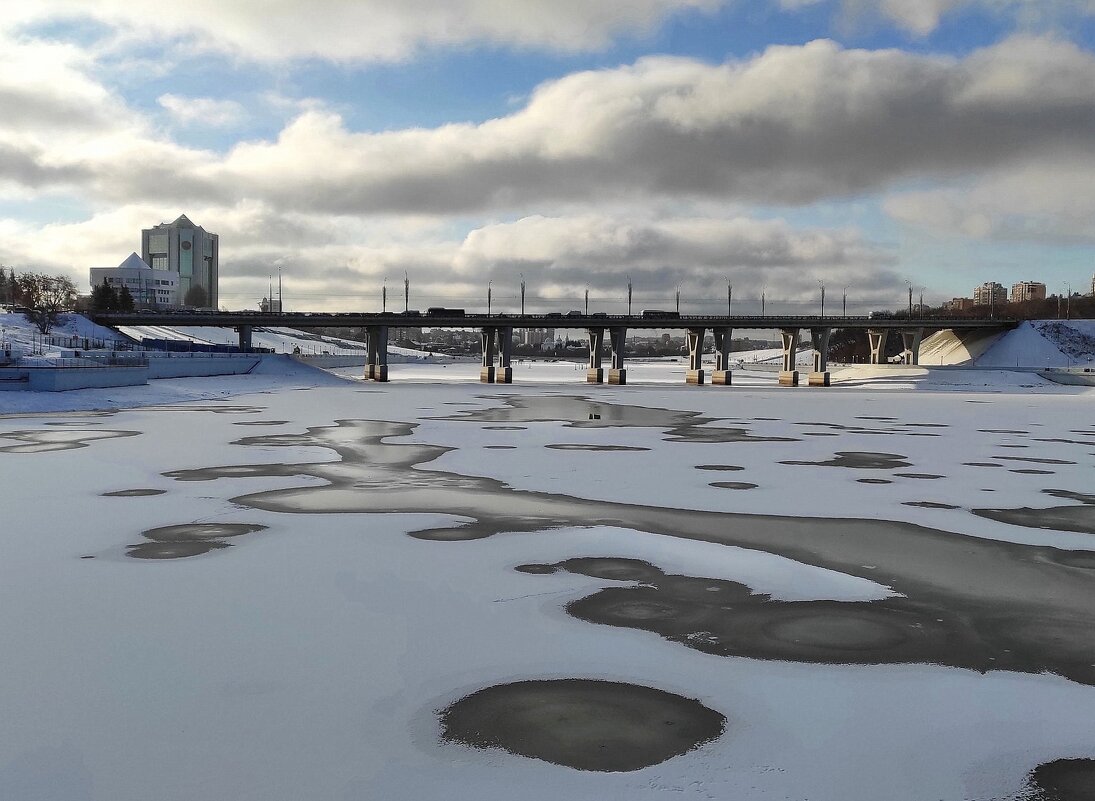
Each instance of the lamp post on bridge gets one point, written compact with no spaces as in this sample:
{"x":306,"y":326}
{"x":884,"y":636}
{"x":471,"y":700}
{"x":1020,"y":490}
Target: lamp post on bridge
{"x":587,"y":302}
{"x":822,"y":283}
{"x":910,"y":297}
{"x":763,"y":298}
{"x":629,"y":296}
{"x":844,"y":305}
{"x":406,"y":292}
{"x":678,"y":307}
{"x":522,"y":294}
{"x":729,"y":298}
{"x":488,"y":296}
{"x":384,"y":295}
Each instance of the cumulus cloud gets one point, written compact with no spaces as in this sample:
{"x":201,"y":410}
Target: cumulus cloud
{"x":1043,"y":200}
{"x":367,"y":30}
{"x":341,"y":263}
{"x":206,"y":112}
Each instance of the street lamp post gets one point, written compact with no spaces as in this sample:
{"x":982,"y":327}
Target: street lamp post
{"x":822,"y":283}
{"x":844,"y":304}
{"x":678,"y":307}
{"x":910,"y":297}
{"x":522,"y":294}
{"x":629,"y":296}
{"x":729,"y":298}
{"x":763,"y":298}
{"x":406,"y":292}
{"x":488,"y":296}
{"x":384,"y":295}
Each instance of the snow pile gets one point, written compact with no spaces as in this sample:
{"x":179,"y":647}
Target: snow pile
{"x":1044,"y":343}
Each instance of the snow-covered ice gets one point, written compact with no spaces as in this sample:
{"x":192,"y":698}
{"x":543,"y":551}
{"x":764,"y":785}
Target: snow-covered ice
{"x":310,"y":659}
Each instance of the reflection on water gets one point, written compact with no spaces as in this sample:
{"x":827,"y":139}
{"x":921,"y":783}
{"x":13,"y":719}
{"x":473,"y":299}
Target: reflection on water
{"x":45,"y":441}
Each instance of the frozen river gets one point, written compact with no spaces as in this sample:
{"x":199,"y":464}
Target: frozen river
{"x":292,"y":587}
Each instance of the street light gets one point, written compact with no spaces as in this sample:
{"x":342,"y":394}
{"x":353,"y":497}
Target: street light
{"x":822,"y":284}
{"x":909,"y":283}
{"x":729,"y":298}
{"x":522,"y":294}
{"x":488,"y":296}
{"x":587,"y":302}
{"x":844,"y":305}
{"x":384,"y":295}
{"x":678,"y":298}
{"x":629,"y":296}
{"x":763,"y":297}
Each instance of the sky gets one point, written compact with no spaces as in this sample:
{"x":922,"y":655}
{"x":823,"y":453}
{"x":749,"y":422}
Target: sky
{"x":775,"y":146}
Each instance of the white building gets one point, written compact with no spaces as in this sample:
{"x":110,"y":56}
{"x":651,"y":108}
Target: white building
{"x":990,"y":293}
{"x":149,"y":288}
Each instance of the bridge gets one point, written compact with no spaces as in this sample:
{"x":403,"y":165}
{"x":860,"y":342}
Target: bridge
{"x":496,"y":331}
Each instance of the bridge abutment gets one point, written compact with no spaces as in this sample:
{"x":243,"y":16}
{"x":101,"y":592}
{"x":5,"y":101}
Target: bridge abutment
{"x":504,"y":373}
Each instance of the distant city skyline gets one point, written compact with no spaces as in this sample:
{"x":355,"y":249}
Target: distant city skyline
{"x":777,"y":146}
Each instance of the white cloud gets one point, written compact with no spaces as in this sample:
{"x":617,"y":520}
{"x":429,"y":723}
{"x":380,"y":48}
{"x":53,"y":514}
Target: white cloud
{"x":367,"y":30}
{"x":921,"y":17}
{"x":205,"y":112}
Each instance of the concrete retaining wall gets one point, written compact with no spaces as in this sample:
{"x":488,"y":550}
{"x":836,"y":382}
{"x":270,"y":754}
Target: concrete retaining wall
{"x":199,"y":365}
{"x":1072,"y":377}
{"x":61,"y":379}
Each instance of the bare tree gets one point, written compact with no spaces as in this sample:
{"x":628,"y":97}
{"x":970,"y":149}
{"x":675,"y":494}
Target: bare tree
{"x":46,"y":296}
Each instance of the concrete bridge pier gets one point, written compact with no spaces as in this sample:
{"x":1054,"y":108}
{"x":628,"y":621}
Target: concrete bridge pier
{"x":376,"y":368}
{"x":788,"y":376}
{"x":245,"y":337}
{"x":877,"y":340}
{"x":488,"y":337}
{"x":504,"y":373}
{"x":722,"y":375}
{"x":820,"y":339}
{"x":596,"y":374}
{"x":910,"y":342}
{"x":617,"y":373}
{"x":694,"y":337}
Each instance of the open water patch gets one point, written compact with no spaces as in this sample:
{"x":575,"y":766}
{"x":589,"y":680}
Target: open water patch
{"x":733,"y":485}
{"x":134,"y":493}
{"x":1062,"y":780}
{"x":577,"y":446}
{"x":584,"y":724}
{"x":188,"y":539}
{"x":860,"y":460}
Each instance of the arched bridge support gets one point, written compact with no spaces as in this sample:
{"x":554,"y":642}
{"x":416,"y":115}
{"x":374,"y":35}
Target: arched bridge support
{"x":694,"y":337}
{"x":617,"y":373}
{"x":819,"y":337}
{"x":788,"y":376}
{"x":596,"y":374}
{"x":722,"y":375}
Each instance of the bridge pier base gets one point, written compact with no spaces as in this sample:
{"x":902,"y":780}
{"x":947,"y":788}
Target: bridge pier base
{"x":819,"y":337}
{"x":504,"y":373}
{"x":694,"y":338}
{"x":722,"y":375}
{"x":788,"y":376}
{"x":910,"y":341}
{"x":376,"y":367}
{"x":876,"y":338}
{"x":617,"y":374}
{"x":487,"y":338}
{"x":596,"y":374}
